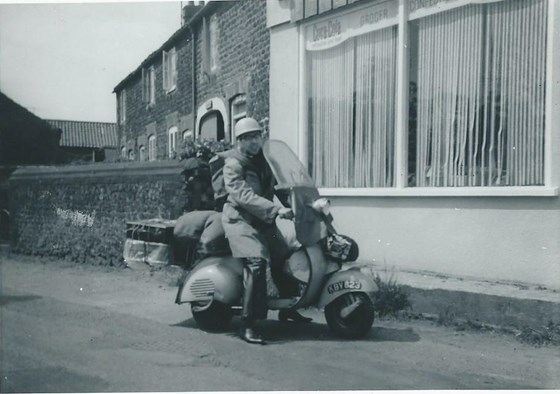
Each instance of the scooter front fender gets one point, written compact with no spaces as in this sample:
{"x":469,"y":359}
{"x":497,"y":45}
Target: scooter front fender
{"x":214,"y":278}
{"x":349,"y":281}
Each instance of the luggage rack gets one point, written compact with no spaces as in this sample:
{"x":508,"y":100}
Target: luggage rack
{"x":149,"y":243}
{"x":151,"y":230}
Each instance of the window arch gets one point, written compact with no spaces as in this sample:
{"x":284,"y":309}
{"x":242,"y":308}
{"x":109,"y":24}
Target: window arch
{"x":212,"y":120}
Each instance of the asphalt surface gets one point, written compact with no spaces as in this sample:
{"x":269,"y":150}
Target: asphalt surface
{"x":68,"y":328}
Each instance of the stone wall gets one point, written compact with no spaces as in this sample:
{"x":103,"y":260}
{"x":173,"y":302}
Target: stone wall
{"x":80,"y":212}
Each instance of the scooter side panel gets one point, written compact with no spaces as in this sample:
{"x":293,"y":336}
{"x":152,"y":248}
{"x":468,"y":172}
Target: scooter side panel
{"x":348,"y":281}
{"x":218,"y":278}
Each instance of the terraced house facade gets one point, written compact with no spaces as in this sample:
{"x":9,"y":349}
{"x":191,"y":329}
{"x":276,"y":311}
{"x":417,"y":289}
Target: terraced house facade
{"x":211,"y":72}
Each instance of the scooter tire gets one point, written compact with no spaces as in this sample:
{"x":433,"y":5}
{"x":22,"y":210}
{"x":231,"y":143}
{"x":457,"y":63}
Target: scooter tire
{"x":358,"y":323}
{"x":214,"y":318}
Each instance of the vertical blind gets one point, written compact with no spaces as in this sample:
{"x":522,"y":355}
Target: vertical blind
{"x":331,"y":100}
{"x":481,"y":93}
{"x":352,"y":99}
{"x":375,"y":109}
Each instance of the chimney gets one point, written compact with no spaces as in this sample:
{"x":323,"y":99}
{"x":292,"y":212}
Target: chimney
{"x":191,"y":8}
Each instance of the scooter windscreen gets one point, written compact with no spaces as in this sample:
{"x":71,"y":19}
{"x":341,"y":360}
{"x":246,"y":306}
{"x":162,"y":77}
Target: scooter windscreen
{"x":291,"y":174}
{"x":285,"y":165}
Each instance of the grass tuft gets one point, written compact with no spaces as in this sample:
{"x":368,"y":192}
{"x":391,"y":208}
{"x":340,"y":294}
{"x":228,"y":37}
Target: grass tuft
{"x":391,"y":298}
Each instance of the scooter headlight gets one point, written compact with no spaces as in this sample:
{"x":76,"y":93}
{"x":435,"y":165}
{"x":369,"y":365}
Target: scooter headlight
{"x":322,"y":205}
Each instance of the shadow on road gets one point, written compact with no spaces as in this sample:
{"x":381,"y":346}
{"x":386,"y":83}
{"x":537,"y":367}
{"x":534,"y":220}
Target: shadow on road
{"x":279,"y":332}
{"x":6,"y":299}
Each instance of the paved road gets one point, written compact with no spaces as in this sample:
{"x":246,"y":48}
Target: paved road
{"x":73,"y":329}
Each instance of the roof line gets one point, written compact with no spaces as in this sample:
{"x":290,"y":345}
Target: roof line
{"x":187,"y":26}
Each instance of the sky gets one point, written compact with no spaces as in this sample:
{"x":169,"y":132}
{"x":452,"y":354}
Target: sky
{"x":63,"y":60}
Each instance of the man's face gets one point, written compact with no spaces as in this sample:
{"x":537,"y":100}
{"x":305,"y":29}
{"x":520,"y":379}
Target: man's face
{"x":251,"y":143}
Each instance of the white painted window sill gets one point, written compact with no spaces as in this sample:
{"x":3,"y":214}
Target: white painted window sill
{"x":509,"y":191}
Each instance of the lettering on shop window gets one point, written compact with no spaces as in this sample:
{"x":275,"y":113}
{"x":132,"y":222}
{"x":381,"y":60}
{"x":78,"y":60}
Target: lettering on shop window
{"x":374,"y":17}
{"x":327,"y":34}
{"x":327,"y":30}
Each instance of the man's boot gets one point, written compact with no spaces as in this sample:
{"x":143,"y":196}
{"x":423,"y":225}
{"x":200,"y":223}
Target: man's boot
{"x":254,"y":298}
{"x":249,"y":335}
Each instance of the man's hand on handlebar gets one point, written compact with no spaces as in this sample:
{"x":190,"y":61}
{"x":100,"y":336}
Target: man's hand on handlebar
{"x":285,"y":213}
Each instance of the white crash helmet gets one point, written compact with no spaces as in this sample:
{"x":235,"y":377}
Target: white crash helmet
{"x":245,"y":126}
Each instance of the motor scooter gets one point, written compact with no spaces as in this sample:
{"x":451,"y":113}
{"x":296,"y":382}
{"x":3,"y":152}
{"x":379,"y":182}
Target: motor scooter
{"x":214,"y":286}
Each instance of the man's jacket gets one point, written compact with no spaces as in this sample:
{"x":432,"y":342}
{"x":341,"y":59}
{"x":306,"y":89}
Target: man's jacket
{"x":250,"y":186}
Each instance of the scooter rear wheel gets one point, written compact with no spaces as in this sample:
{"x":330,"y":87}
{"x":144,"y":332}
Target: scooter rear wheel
{"x":214,"y":318}
{"x":357,"y":323}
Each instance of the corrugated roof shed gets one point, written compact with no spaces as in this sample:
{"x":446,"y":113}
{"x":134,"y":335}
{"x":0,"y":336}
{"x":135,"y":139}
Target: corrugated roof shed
{"x":86,"y":134}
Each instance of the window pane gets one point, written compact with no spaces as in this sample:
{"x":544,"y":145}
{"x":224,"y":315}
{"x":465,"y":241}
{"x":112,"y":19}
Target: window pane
{"x":477,"y":96}
{"x":352,"y":110}
{"x":375,"y":109}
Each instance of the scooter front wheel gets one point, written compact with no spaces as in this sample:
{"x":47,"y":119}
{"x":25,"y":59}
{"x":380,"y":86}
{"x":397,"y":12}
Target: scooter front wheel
{"x":214,"y":318}
{"x":351,"y":315}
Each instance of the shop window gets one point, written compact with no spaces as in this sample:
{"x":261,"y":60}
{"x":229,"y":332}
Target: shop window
{"x":152,"y":148}
{"x":172,"y":141}
{"x":169,"y":70}
{"x":123,"y":152}
{"x":476,"y":97}
{"x":131,"y":154}
{"x":149,"y":85}
{"x":352,"y":111}
{"x":478,"y":112}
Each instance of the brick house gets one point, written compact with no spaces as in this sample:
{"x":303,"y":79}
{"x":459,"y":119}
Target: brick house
{"x":208,"y":74}
{"x":86,"y":141}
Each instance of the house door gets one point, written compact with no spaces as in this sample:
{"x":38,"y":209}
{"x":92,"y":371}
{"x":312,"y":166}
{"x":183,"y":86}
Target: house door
{"x":212,"y":126}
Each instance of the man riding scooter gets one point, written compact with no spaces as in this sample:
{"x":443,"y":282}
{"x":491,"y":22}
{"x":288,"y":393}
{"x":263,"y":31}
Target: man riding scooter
{"x":249,"y":223}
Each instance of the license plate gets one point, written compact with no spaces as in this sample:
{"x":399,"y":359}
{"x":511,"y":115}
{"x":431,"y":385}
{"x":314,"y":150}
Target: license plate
{"x":343,"y":285}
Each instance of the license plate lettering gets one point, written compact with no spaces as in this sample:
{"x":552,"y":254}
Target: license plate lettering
{"x":345,"y":284}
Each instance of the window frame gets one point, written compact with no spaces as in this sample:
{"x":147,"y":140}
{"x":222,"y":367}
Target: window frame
{"x":401,"y":187}
{"x":172,"y":141}
{"x":239,"y":100}
{"x":149,"y":85}
{"x":142,"y":153}
{"x":213,"y":50}
{"x":152,"y":148}
{"x":170,"y":73}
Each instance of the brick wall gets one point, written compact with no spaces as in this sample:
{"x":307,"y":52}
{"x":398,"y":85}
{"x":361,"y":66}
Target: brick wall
{"x":80,"y":213}
{"x":243,"y":45}
{"x":244,"y":53}
{"x":178,"y":102}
